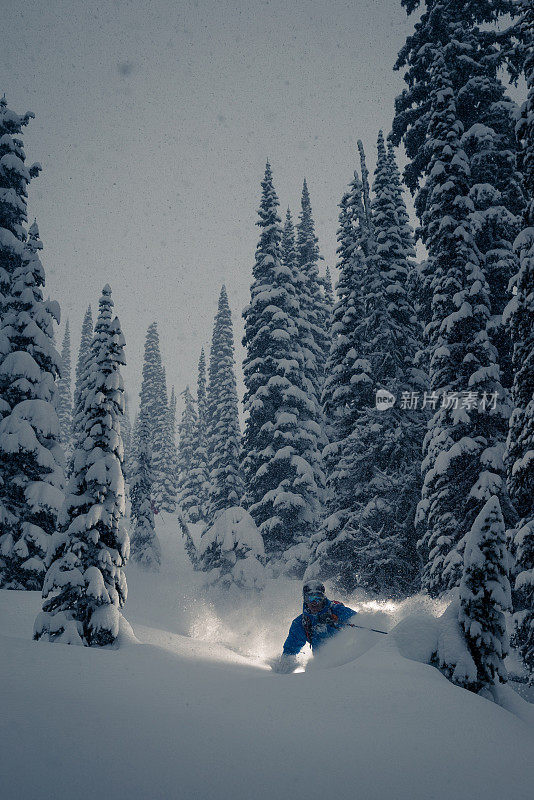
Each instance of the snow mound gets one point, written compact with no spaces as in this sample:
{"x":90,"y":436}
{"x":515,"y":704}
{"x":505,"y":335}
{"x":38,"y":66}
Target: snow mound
{"x":233,"y":528}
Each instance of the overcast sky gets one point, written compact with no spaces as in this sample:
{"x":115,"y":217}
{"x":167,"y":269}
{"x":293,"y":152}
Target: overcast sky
{"x":153,"y":124}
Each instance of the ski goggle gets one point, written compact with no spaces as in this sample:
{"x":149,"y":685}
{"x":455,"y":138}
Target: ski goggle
{"x":314,"y":598}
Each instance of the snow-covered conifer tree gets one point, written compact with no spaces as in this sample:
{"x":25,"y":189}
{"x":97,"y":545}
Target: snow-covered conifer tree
{"x":224,"y":434}
{"x":172,"y":412}
{"x":164,"y":443}
{"x":14,"y":178}
{"x":81,"y":370}
{"x":64,"y":394}
{"x":338,"y":393}
{"x":328,"y":290}
{"x":145,"y":546}
{"x":473,"y":49}
{"x":201,"y":454}
{"x":192,"y":481}
{"x":462,"y":464}
{"x":520,"y":318}
{"x":368,"y":539}
{"x":153,"y":403}
{"x":173,"y":449}
{"x":281,"y":463}
{"x":202,"y":396}
{"x":126,"y":433}
{"x":328,"y":300}
{"x":485,"y":594}
{"x":232,"y":551}
{"x":85,"y":586}
{"x":311,"y":297}
{"x":31,"y":458}
{"x":312,"y":415}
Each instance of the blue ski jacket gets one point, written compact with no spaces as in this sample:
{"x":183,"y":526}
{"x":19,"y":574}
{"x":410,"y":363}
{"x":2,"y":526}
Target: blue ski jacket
{"x":316,"y":628}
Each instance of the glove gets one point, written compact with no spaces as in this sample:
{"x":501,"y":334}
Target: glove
{"x":284,"y":664}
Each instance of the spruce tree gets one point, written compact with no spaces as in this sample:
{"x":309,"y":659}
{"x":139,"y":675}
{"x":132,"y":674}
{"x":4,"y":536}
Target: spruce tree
{"x":85,"y":586}
{"x":165,"y":446}
{"x":154,"y":404}
{"x":328,"y":304}
{"x":462,"y":449}
{"x":201,"y":447}
{"x":202,"y":397}
{"x":368,"y":538}
{"x":311,"y":416}
{"x":126,"y":433}
{"x":311,"y":298}
{"x":485,"y":595}
{"x":340,"y":393}
{"x":520,"y":319}
{"x":173,"y":451}
{"x":64,"y":395}
{"x":14,"y":179}
{"x":329,"y":294}
{"x":224,"y":434}
{"x":145,"y":546}
{"x":83,"y":355}
{"x":466,"y":34}
{"x":281,"y":462}
{"x":172,"y":412}
{"x":191,"y":481}
{"x":31,"y":457}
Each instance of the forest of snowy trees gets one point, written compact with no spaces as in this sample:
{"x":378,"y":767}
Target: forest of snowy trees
{"x":385,"y":441}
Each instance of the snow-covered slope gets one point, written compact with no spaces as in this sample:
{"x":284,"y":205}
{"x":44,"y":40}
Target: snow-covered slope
{"x":190,"y":709}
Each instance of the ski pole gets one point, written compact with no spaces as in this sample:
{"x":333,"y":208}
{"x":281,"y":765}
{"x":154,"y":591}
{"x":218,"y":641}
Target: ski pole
{"x":364,"y":628}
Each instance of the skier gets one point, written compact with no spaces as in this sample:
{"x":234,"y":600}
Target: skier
{"x":321,"y":619}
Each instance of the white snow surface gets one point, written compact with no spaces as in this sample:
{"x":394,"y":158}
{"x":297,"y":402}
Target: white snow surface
{"x":187,"y":705}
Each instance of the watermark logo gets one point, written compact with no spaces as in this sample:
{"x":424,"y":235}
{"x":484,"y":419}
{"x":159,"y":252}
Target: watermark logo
{"x":410,"y":401}
{"x":384,"y":400}
{"x":468,"y":400}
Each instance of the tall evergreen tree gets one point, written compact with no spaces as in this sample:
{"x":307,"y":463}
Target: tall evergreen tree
{"x":173,"y":445}
{"x":192,"y":479}
{"x":201,"y":448}
{"x":164,"y":444}
{"x":404,"y":228}
{"x":126,"y":433}
{"x":328,"y":291}
{"x":462,"y":463}
{"x":81,"y":370}
{"x":14,"y":179}
{"x":520,"y":318}
{"x":145,"y":546}
{"x":153,"y":404}
{"x":280,"y":445}
{"x":85,"y":586}
{"x":172,"y":412}
{"x":473,"y":49}
{"x":368,"y":538}
{"x":328,"y":300}
{"x":64,"y":394}
{"x":224,"y":435}
{"x":340,"y":393}
{"x":313,"y":414}
{"x":202,"y":397}
{"x":31,"y":458}
{"x":311,"y":298}
{"x":485,"y":595}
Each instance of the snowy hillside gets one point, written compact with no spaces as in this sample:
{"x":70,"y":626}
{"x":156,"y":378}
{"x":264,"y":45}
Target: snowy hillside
{"x":188,"y":707}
